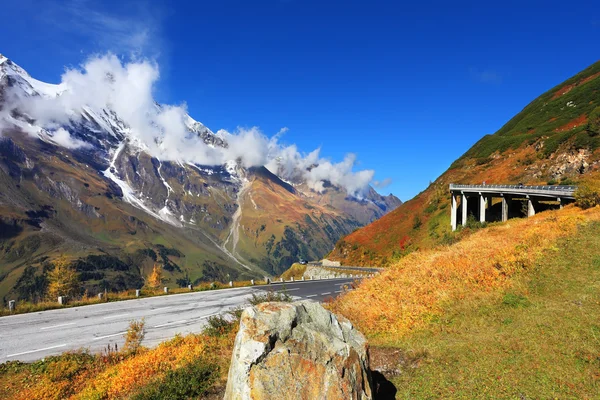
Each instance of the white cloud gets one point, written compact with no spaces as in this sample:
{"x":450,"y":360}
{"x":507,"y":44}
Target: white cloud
{"x":63,"y":138}
{"x":105,"y":82}
{"x":383,"y":183}
{"x":131,"y":28}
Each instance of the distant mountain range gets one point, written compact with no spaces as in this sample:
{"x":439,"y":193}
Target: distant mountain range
{"x":86,"y":188}
{"x":554,"y":140}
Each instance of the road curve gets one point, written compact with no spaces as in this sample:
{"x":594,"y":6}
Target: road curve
{"x":32,"y":336}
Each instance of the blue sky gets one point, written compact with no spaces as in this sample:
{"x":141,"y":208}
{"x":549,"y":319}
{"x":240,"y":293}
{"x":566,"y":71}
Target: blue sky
{"x":408,"y":87}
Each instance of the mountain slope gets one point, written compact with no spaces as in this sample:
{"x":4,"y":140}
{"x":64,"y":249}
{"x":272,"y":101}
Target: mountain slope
{"x":555,"y":139}
{"x":83,"y":184}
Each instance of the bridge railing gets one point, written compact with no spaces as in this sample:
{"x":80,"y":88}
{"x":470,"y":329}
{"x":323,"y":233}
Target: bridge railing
{"x":559,"y":189}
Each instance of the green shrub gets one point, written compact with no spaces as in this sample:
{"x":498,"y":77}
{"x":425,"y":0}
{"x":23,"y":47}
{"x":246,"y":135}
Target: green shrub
{"x":472,"y":224}
{"x":593,"y":126}
{"x":433,"y":226}
{"x":432,"y":207}
{"x":448,"y":239}
{"x":515,"y":300}
{"x":189,"y":382}
{"x":417,"y":222}
{"x":218,"y":325}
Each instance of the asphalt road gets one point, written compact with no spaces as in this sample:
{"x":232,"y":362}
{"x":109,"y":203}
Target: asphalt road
{"x":33,"y":336}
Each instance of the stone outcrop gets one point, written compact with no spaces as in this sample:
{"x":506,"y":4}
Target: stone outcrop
{"x":570,"y":163}
{"x":328,"y":263}
{"x":298,"y":351}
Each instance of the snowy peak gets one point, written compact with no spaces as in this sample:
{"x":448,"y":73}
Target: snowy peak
{"x":17,"y":76}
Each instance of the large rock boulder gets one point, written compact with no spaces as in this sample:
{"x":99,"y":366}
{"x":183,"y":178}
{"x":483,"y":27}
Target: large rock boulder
{"x":298,"y":351}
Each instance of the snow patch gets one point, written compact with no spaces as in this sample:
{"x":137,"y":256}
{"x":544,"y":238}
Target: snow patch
{"x":129,"y":194}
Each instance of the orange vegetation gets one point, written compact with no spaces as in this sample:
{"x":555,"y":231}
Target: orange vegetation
{"x":375,"y":244}
{"x":582,"y":119}
{"x":416,"y":288}
{"x":117,"y":376}
{"x":567,"y":88}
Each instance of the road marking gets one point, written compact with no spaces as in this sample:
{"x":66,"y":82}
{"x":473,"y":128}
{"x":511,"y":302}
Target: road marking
{"x":107,"y":336}
{"x":115,"y":316}
{"x":171,"y":323}
{"x":288,"y":290}
{"x":35,"y":351}
{"x":311,"y":295}
{"x":56,"y":326}
{"x":159,"y":309}
{"x":324,"y":294}
{"x":209,"y":315}
{"x":338,"y":291}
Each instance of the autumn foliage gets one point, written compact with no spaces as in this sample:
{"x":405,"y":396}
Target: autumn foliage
{"x":81,"y":375}
{"x":417,"y":288}
{"x":155,"y":278}
{"x":63,"y":280}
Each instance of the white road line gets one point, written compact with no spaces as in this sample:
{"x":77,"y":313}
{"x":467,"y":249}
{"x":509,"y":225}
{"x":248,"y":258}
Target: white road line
{"x":311,"y":295}
{"x":160,"y":309}
{"x":288,"y":290}
{"x":324,"y":294}
{"x":107,"y":336}
{"x":338,"y":291}
{"x":171,"y":323}
{"x":56,"y":326}
{"x":116,"y":316}
{"x":35,"y":351}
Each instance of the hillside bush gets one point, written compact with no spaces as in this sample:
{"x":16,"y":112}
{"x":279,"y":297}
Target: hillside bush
{"x":587,"y":194}
{"x":189,"y":382}
{"x":219,"y":325}
{"x":134,"y":336}
{"x":593,"y":126}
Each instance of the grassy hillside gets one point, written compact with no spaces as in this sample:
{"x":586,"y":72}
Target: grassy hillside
{"x":511,"y":311}
{"x":554,"y":140}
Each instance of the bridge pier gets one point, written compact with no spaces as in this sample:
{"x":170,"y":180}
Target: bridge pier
{"x":530,"y":207}
{"x":464,"y":209}
{"x":482,"y":204}
{"x":504,"y":208}
{"x":453,"y":212}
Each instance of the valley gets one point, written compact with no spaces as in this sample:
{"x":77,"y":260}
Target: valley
{"x":113,"y":209}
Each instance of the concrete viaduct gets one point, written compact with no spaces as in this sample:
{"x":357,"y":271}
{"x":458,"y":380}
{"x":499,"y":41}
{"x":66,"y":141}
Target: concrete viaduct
{"x":485,"y":193}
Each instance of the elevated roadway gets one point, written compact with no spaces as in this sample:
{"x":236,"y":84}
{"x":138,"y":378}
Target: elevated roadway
{"x":485,"y":193}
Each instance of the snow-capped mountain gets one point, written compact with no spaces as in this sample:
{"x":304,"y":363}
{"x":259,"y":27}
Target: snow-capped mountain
{"x":82,"y":180}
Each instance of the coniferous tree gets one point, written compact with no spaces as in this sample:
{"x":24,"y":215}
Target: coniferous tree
{"x":155,"y":278}
{"x":63,"y":280}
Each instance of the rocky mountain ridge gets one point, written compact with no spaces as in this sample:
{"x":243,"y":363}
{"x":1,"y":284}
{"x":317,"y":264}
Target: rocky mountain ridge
{"x":86,"y":187}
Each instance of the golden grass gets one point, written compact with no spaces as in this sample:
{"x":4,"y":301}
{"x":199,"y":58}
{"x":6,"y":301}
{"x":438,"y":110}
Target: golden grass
{"x":416,"y":289}
{"x":296,"y":271}
{"x":112,"y":376}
